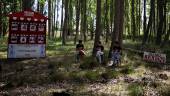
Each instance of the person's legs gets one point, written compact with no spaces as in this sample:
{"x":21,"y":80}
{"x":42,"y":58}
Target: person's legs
{"x":98,"y":56}
{"x":77,"y":57}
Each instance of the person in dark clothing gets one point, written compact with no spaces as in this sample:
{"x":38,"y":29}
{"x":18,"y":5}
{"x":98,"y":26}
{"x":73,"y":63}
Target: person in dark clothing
{"x":99,"y":52}
{"x":79,"y":51}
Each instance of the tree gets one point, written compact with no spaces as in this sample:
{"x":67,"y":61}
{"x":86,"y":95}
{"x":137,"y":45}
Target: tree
{"x":49,"y":19}
{"x":27,"y":4}
{"x":133,"y":23}
{"x":98,"y":26}
{"x":118,"y":24}
{"x":146,"y":33}
{"x":160,"y":4}
{"x":65,"y":27}
{"x":77,"y":20}
{"x":107,"y":21}
{"x":0,"y":19}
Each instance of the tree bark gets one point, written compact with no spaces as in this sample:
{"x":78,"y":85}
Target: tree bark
{"x":133,"y":20}
{"x":161,"y":21}
{"x":27,"y":4}
{"x":77,"y":20}
{"x":65,"y":28}
{"x":144,"y":16}
{"x":1,"y":19}
{"x":118,"y":24}
{"x":62,"y":11}
{"x":166,"y":38}
{"x":146,"y":33}
{"x":49,"y":19}
{"x":98,"y":26}
{"x":107,"y":21}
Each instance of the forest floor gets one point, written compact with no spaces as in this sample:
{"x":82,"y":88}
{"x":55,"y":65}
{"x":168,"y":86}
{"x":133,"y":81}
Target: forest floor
{"x":58,"y":72}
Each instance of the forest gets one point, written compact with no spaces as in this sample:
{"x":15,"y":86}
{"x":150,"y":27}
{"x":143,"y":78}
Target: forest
{"x":92,"y":48}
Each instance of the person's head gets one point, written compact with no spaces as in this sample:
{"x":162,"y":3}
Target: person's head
{"x":80,"y":41}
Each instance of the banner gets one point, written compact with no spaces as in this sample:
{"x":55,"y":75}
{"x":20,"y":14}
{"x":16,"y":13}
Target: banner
{"x":154,"y":57}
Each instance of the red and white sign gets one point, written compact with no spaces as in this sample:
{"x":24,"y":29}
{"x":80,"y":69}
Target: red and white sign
{"x":27,"y":35}
{"x":154,"y":57}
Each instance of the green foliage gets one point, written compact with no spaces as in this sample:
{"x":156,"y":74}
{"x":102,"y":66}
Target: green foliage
{"x":109,"y":74}
{"x":59,"y":76}
{"x":93,"y":76}
{"x":164,"y":90}
{"x":78,"y":77}
{"x":127,"y":70}
{"x":89,"y":63}
{"x":135,"y":90}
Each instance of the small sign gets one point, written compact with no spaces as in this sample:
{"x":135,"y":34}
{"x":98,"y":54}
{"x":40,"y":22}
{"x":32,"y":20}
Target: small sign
{"x":32,"y":27}
{"x":26,"y":50}
{"x":23,"y":27}
{"x":14,"y":26}
{"x":154,"y":57}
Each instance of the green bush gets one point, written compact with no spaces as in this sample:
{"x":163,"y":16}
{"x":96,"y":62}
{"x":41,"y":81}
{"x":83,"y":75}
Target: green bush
{"x":92,"y":76}
{"x":135,"y":90}
{"x":127,"y":70}
{"x":164,"y":90}
{"x":89,"y":63}
{"x":77,"y":76}
{"x":59,"y":76}
{"x":109,"y":74}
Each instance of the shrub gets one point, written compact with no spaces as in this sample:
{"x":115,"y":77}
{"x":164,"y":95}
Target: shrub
{"x":59,"y":76}
{"x":89,"y":63}
{"x":127,"y":70}
{"x":109,"y":74}
{"x":92,"y":76}
{"x":135,"y":90}
{"x":77,"y":76}
{"x":164,"y":90}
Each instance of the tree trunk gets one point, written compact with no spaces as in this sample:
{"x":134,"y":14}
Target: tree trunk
{"x":49,"y":19}
{"x":144,"y":16}
{"x":84,"y":20}
{"x":133,"y":20}
{"x":98,"y":26}
{"x":166,"y":38}
{"x":139,"y":19}
{"x":65,"y":28}
{"x":161,"y":21}
{"x":118,"y":24}
{"x":1,"y":19}
{"x":52,"y":19}
{"x":111,"y":14}
{"x":107,"y":21}
{"x":27,"y":4}
{"x":62,"y":11}
{"x":146,"y":33}
{"x":77,"y":20}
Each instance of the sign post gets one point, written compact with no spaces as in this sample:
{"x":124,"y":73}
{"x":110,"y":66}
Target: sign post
{"x":27,"y":35}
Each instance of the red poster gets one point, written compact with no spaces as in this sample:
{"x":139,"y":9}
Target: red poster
{"x":27,"y":35}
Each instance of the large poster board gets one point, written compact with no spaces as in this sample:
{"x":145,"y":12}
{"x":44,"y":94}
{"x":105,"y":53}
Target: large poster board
{"x":27,"y":35}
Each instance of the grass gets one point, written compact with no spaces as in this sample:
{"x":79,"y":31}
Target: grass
{"x":59,"y":66}
{"x":93,"y":76}
{"x":135,"y":90}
